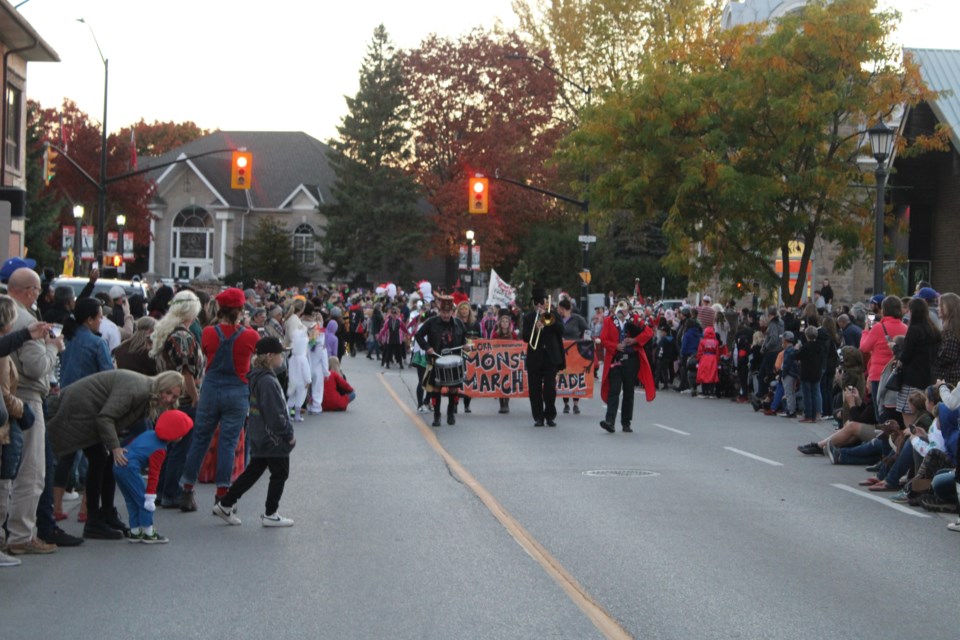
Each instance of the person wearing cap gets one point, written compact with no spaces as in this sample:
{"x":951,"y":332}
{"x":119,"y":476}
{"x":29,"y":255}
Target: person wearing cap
{"x":11,"y":266}
{"x":690,"y":333}
{"x":877,"y":341}
{"x":706,"y":314}
{"x":543,"y":362}
{"x":147,"y":452}
{"x":437,"y":334}
{"x":271,"y":439}
{"x":251,"y":300}
{"x":932,"y":298}
{"x":224,"y":397}
{"x":90,"y":415}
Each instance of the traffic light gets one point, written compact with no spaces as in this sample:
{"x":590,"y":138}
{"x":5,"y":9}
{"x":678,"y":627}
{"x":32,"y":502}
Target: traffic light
{"x":49,"y":164}
{"x":118,"y":261}
{"x":479,"y":195}
{"x":241,"y":170}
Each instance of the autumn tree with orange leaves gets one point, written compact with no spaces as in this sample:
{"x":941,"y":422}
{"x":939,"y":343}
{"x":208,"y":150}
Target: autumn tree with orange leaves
{"x":748,"y":139}
{"x":475,"y":112}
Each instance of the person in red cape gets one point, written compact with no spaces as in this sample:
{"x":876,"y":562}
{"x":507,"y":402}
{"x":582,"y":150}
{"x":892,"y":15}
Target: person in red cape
{"x":624,"y":362}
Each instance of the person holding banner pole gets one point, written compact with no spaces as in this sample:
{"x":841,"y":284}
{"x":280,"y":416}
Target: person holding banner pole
{"x":504,"y":331}
{"x":575,"y":327}
{"x":545,"y":358}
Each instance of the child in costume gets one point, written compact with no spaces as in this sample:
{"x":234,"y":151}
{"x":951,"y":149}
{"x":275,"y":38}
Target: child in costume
{"x":270,"y":437}
{"x":148,"y":449}
{"x":298,"y":374}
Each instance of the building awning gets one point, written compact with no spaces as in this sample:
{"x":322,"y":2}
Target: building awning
{"x":17,"y":33}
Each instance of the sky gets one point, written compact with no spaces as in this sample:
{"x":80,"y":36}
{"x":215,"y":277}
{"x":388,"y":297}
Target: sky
{"x":270,"y":66}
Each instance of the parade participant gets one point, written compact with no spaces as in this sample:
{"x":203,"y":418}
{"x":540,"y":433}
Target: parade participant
{"x":91,"y":414}
{"x":338,"y":392}
{"x":356,"y":318}
{"x":575,"y":327}
{"x":625,"y":362}
{"x":467,"y":316}
{"x":318,"y":356}
{"x":545,"y":358}
{"x":271,"y":439}
{"x":391,"y":337}
{"x":439,"y":333}
{"x":147,"y":453}
{"x":504,"y":331}
{"x":298,"y":374}
{"x":224,"y":397}
{"x":418,"y":357}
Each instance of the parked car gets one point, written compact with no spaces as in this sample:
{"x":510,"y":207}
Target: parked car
{"x":668,"y":304}
{"x":130,"y":287}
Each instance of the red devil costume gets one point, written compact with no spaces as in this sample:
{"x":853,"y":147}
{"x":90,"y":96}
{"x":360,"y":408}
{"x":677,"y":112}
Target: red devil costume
{"x":625,"y":361}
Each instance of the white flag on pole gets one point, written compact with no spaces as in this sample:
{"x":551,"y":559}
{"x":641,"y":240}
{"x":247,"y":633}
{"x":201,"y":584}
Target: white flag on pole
{"x":500,"y":292}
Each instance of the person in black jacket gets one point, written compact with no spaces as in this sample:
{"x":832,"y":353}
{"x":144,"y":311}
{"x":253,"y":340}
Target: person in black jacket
{"x":543,"y":362}
{"x":439,"y":333}
{"x":812,"y":357}
{"x":920,"y":346}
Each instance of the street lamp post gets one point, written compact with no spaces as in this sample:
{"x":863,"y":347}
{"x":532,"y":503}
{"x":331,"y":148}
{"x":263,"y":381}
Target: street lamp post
{"x":121,"y":223}
{"x":77,"y":241}
{"x":102,"y":188}
{"x":468,"y":277}
{"x":587,"y":91}
{"x":881,"y":144}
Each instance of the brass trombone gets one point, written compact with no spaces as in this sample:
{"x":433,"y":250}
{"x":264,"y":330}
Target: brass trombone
{"x":547,"y":318}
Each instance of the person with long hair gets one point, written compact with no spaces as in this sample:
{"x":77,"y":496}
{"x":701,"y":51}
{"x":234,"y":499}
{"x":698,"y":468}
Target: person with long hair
{"x":224,"y":397}
{"x":92,"y":414}
{"x":337,"y":393}
{"x":919,"y":352}
{"x":504,"y":330}
{"x":176,"y":348}
{"x":833,"y":341}
{"x":946,"y":366}
{"x":133,"y":354}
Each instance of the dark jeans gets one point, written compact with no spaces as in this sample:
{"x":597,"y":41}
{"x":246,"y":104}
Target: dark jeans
{"x":420,"y":392}
{"x":903,"y":463}
{"x":101,"y":485}
{"x":865,"y":454}
{"x":279,"y":472}
{"x":622,"y":379}
{"x":543,"y":393}
{"x":46,"y":524}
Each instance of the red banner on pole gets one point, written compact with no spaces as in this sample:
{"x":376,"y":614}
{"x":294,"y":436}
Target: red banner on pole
{"x":496,"y":369}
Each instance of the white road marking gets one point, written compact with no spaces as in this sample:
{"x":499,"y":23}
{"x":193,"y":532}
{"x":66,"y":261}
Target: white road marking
{"x":884,"y":501}
{"x":773,"y":463}
{"x":663,"y":426}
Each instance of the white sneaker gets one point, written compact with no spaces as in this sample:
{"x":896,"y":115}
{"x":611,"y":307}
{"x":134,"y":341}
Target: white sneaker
{"x":8,"y":561}
{"x":70,"y":496}
{"x":276,"y":520}
{"x":954,"y":526}
{"x":227,"y":515}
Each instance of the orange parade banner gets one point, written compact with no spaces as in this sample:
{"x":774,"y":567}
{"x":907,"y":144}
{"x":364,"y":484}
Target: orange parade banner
{"x":496,"y":369}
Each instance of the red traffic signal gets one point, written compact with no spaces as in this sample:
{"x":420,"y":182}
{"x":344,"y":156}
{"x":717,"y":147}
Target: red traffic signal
{"x":479,"y":195}
{"x":241,"y":170}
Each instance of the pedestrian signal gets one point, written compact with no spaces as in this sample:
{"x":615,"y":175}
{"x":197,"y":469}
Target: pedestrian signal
{"x":479,"y":195}
{"x":241,"y":174}
{"x":118,"y":260}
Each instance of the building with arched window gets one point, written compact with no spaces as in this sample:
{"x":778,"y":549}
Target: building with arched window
{"x":738,"y":12}
{"x":198,"y":220}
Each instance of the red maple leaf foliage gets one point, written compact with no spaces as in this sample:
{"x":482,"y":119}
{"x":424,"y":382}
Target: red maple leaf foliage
{"x":72,"y":130}
{"x":477,"y":111}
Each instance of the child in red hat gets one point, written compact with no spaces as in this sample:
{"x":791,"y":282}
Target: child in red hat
{"x":148,"y":449}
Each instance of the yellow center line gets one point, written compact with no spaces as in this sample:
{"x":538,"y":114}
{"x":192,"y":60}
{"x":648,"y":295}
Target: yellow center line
{"x":602,"y":620}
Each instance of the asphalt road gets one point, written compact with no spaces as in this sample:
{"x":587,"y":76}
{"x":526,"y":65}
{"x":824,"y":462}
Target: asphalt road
{"x":722,"y":531}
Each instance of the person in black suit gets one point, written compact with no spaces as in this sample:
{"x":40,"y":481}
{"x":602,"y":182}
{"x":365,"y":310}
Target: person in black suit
{"x":544,"y":362}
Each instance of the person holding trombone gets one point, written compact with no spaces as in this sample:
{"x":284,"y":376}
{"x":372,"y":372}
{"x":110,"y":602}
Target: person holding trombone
{"x":545,"y":358}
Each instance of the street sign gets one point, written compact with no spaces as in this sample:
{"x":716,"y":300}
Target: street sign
{"x":587,"y":239}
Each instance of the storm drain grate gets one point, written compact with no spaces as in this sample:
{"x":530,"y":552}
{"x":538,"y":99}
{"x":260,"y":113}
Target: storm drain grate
{"x":620,"y":473}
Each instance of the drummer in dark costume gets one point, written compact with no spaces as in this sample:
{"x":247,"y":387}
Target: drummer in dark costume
{"x":436,"y":334}
{"x":545,"y":358}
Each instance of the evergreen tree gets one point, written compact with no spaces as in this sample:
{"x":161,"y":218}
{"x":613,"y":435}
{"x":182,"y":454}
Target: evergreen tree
{"x":261,"y":254}
{"x":44,"y":204}
{"x":374,"y":226}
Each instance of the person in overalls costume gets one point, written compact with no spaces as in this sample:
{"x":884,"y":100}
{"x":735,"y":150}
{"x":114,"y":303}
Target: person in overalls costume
{"x":224,"y":396}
